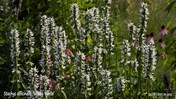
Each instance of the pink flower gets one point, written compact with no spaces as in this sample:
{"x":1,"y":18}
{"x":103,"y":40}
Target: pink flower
{"x":150,"y":38}
{"x":58,"y":86}
{"x":50,"y":63}
{"x":163,"y":30}
{"x":89,"y":58}
{"x":162,"y":44}
{"x":51,"y":84}
{"x":69,"y":52}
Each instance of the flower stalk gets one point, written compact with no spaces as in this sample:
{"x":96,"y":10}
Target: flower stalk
{"x":143,"y":24}
{"x":14,"y":53}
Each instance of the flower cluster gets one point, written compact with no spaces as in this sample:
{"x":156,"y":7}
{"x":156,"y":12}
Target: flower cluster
{"x":54,"y":42}
{"x":33,"y":79}
{"x":85,"y":78}
{"x":134,"y":35}
{"x":162,"y":43}
{"x":133,"y":30}
{"x":91,"y":35}
{"x":80,"y":35}
{"x":45,"y":52}
{"x":148,"y":50}
{"x":139,"y":52}
{"x":163,"y":32}
{"x":126,"y":51}
{"x":150,"y":38}
{"x":80,"y":66}
{"x":99,"y":49}
{"x":106,"y":83}
{"x":15,"y":45}
{"x":54,"y":53}
{"x":44,"y":80}
{"x":75,"y":18}
{"x":149,"y":61}
{"x":107,"y":9}
{"x":62,"y":43}
{"x":29,"y":47}
{"x":14,"y":53}
{"x":45,"y":42}
{"x":29,"y":42}
{"x":106,"y":28}
{"x":144,"y":16}
{"x":120,"y":84}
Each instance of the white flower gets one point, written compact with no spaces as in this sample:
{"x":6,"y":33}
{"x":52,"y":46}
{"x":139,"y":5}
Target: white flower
{"x":75,"y":15}
{"x":149,"y":60}
{"x":144,"y":15}
{"x":125,"y":50}
{"x":29,"y":43}
{"x":14,"y":53}
{"x":120,"y":84}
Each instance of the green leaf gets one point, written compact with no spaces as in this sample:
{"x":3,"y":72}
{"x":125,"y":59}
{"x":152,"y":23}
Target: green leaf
{"x":169,"y":24}
{"x":1,"y":19}
{"x":24,"y":71}
{"x":89,"y":41}
{"x":65,"y":96}
{"x":19,"y":86}
{"x":165,"y":62}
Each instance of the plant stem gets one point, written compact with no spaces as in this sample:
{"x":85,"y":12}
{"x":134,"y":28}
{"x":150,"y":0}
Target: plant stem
{"x":139,"y":58}
{"x":16,"y":75}
{"x":130,"y":80}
